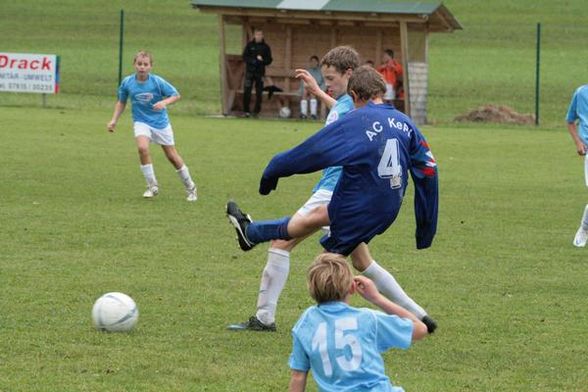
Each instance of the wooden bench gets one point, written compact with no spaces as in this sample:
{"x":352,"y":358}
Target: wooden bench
{"x":279,"y":77}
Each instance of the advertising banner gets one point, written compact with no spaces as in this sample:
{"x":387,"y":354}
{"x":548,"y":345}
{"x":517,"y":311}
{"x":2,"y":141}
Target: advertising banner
{"x":29,"y":73}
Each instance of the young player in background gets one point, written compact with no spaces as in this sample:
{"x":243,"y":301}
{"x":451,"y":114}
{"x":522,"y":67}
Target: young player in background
{"x":150,"y":95}
{"x":341,"y":344}
{"x":392,"y":72}
{"x":314,"y":70}
{"x":276,"y":271}
{"x":578,"y":113}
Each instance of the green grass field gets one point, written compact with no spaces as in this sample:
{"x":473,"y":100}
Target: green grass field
{"x":502,"y":279}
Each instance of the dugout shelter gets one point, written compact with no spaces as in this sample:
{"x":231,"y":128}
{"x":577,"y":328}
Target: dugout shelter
{"x":298,"y":29}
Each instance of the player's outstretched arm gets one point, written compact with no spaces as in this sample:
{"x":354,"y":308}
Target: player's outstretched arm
{"x":328,"y":147}
{"x":312,"y":87}
{"x":368,"y":290}
{"x":119,"y":108}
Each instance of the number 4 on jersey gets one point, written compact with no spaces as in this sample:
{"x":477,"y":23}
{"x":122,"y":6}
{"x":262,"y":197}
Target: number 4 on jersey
{"x":389,"y":166}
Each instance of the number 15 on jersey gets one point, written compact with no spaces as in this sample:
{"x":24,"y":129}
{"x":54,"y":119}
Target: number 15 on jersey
{"x":345,"y":341}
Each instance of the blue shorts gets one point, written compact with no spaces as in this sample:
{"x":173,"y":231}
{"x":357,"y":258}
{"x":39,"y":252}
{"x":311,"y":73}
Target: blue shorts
{"x":344,"y":238}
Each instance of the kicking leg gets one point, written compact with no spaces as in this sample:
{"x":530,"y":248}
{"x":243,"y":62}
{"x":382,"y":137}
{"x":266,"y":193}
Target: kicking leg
{"x":250,"y":233}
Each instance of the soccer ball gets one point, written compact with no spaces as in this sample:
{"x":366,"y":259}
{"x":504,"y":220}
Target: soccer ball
{"x":285,"y":112}
{"x":115,"y":312}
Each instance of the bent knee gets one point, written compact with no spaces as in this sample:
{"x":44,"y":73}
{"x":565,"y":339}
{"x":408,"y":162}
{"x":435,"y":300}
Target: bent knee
{"x":143,"y":149}
{"x":286,"y":245}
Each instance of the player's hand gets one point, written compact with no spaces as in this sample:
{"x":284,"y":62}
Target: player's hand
{"x":310,"y":83}
{"x":159,"y":105}
{"x":266,"y":185}
{"x":111,"y":126}
{"x":581,"y":148}
{"x":366,"y":288}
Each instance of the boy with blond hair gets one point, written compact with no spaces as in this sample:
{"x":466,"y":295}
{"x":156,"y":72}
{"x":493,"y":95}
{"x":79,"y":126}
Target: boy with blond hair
{"x":150,"y":95}
{"x":341,"y":344}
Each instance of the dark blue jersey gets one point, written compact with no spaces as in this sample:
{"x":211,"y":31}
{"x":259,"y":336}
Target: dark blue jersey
{"x":377,"y":146}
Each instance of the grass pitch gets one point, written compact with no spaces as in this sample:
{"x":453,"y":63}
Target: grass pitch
{"x":502,"y":278}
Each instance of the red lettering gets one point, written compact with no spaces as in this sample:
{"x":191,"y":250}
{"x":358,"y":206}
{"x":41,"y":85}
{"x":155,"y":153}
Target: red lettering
{"x":7,"y":62}
{"x":46,"y":64}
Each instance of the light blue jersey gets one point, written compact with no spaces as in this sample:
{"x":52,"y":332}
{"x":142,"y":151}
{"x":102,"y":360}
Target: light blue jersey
{"x":144,"y":95}
{"x":331,"y":174}
{"x":342,"y":346}
{"x":578,"y":110}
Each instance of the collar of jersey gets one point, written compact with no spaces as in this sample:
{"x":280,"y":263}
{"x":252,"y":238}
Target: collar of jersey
{"x":333,"y":305}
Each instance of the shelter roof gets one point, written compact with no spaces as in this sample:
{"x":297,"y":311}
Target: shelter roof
{"x":435,"y":14}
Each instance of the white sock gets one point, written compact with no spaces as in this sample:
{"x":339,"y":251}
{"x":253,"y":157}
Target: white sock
{"x":390,"y":288}
{"x":313,"y":106}
{"x":149,"y":174}
{"x":304,"y":107}
{"x":585,"y":219}
{"x":273,"y":280}
{"x":184,"y":174}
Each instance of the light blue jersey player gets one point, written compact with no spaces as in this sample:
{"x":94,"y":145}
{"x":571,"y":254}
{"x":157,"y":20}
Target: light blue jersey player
{"x":337,"y":66}
{"x":341,"y":344}
{"x":144,"y":95}
{"x":150,"y":95}
{"x":577,"y":119}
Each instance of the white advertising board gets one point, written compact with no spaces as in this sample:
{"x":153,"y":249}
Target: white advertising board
{"x":29,"y":73}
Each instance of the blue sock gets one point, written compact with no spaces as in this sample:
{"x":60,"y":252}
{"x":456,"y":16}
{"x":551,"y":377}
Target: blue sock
{"x":262,"y":231}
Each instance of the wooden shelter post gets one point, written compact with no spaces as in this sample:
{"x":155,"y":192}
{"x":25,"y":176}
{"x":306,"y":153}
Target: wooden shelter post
{"x":223,"y":66}
{"x":288,"y":55}
{"x":379,"y":48}
{"x":405,"y":81}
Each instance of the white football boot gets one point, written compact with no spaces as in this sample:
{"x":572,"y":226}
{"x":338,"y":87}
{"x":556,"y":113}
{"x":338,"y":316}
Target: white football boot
{"x":192,"y":194}
{"x":581,"y":238}
{"x":151,"y":192}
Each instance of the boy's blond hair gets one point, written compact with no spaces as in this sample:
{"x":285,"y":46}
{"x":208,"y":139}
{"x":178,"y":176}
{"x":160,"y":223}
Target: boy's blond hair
{"x":366,"y":83}
{"x":341,"y":58}
{"x":143,"y":53}
{"x":329,"y":278}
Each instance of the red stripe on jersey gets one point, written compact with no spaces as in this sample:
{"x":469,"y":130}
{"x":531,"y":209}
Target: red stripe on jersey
{"x":429,"y":171}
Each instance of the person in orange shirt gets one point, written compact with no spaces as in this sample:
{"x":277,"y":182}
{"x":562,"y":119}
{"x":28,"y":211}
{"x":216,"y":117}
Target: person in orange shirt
{"x":392,"y":72}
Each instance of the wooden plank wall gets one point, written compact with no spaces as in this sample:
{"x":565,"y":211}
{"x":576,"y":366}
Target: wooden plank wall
{"x":314,"y":39}
{"x":292,"y":45}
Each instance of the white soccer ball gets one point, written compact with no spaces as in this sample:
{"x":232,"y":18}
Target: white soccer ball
{"x":115,"y":312}
{"x":285,"y":112}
